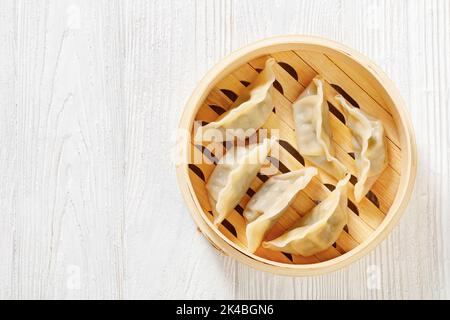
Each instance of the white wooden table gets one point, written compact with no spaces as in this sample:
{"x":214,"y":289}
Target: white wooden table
{"x":90,"y":96}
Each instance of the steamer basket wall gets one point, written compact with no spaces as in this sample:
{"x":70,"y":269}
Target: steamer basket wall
{"x":361,"y":82}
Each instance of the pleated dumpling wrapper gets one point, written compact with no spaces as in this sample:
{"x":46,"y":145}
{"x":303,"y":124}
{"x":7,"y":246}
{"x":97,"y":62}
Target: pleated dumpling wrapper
{"x":369,"y":146}
{"x":233,"y":175}
{"x":247,"y":114}
{"x":319,"y":228}
{"x":313,"y":130}
{"x":271,"y":201}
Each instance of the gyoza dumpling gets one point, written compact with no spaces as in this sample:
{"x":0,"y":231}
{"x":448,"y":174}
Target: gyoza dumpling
{"x":271,"y":201}
{"x":233,"y":176}
{"x":369,"y":145}
{"x":313,"y":130}
{"x":247,"y":114}
{"x":319,"y":228}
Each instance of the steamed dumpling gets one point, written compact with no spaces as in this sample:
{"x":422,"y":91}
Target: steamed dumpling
{"x":319,"y":228}
{"x":313,"y":130}
{"x":247,"y":114}
{"x":270,"y":202}
{"x":369,"y":145}
{"x":233,"y":175}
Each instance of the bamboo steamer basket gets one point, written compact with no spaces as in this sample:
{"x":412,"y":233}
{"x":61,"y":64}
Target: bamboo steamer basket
{"x":345,"y":71}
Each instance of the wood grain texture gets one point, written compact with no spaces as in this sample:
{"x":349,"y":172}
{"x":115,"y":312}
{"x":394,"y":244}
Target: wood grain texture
{"x":90,"y":97}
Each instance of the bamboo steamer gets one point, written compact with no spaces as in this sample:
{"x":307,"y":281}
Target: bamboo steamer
{"x":345,"y":71}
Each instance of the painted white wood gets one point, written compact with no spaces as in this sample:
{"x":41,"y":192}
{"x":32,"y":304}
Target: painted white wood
{"x":90,"y":97}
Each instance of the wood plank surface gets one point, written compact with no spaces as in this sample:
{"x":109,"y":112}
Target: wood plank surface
{"x":90,"y":97}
